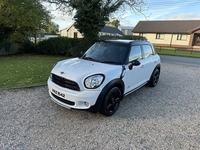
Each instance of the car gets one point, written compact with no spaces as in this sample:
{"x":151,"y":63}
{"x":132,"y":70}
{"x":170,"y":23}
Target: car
{"x":99,"y":79}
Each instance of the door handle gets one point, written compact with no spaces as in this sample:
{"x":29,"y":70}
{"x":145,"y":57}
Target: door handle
{"x":142,"y":66}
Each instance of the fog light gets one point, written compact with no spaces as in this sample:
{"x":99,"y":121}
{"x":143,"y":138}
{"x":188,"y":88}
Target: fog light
{"x":87,"y":104}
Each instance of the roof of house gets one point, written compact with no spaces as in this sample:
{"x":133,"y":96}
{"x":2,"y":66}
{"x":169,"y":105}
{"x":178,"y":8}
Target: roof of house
{"x":167,"y":26}
{"x":67,"y":28}
{"x":112,"y":30}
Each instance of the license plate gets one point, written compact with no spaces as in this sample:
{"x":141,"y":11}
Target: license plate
{"x":58,"y":93}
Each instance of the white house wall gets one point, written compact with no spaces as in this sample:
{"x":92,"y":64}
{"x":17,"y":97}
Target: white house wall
{"x":63,"y":32}
{"x":70,"y":32}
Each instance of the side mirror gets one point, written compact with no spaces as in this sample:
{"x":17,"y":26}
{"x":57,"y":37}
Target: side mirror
{"x":134,"y":63}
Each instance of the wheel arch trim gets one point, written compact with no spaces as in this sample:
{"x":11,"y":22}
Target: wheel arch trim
{"x":116,"y":82}
{"x":158,"y":66}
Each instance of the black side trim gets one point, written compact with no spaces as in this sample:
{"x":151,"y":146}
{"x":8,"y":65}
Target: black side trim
{"x":116,"y":82}
{"x":123,"y":69}
{"x":134,"y":89}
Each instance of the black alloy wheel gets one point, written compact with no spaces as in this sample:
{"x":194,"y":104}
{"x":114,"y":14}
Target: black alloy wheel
{"x":111,"y":101}
{"x":154,"y":78}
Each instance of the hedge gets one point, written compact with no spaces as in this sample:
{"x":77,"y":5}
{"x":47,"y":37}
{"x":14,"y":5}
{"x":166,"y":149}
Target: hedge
{"x":72,"y":47}
{"x":61,"y":46}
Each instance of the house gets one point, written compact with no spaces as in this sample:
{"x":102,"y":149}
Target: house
{"x":170,"y":33}
{"x":72,"y":32}
{"x":108,"y":30}
{"x":127,"y":30}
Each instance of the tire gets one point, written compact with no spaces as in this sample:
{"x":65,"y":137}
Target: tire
{"x":154,"y":78}
{"x":111,"y":101}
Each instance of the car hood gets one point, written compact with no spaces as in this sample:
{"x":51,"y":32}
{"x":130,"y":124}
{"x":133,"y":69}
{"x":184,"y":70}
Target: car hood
{"x":78,"y":69}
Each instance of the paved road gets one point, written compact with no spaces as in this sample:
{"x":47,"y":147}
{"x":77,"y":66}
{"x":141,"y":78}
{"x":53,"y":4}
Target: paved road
{"x":166,"y":117}
{"x":181,"y":60}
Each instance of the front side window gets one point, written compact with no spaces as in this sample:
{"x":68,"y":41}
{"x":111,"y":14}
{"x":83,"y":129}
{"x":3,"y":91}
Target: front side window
{"x":147,"y":50}
{"x":135,"y":53}
{"x":107,"y":52}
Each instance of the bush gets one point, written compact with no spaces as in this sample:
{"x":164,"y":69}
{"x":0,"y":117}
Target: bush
{"x":28,"y":47}
{"x":12,"y":48}
{"x":70,"y":47}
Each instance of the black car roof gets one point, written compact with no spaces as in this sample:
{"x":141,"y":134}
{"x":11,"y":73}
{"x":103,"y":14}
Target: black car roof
{"x":128,"y":41}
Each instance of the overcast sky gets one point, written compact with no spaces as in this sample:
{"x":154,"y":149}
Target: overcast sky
{"x":153,"y":10}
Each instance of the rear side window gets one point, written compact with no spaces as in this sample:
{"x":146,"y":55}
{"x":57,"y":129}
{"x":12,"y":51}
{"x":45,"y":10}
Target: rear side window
{"x":135,"y":53}
{"x":148,"y":51}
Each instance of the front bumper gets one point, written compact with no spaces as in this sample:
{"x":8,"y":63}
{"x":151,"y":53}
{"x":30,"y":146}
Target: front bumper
{"x":72,"y":99}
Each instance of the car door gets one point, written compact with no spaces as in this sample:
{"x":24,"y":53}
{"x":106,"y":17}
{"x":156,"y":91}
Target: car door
{"x":149,"y":61}
{"x":135,"y":77}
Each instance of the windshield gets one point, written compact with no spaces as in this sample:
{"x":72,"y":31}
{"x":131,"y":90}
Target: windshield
{"x":107,"y":52}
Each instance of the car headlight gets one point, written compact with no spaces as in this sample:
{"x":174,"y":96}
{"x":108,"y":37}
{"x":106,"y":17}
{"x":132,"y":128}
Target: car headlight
{"x":94,"y":81}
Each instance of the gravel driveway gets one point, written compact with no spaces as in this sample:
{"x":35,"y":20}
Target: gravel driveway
{"x":164,"y":117}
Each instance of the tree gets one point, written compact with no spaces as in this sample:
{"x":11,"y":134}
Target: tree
{"x":21,"y":18}
{"x":91,"y":15}
{"x":89,"y":19}
{"x":114,"y":23}
{"x":52,"y":28}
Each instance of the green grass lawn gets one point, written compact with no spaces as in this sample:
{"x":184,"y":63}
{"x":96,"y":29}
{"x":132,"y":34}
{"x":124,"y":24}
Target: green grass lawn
{"x":172,"y":52}
{"x":26,"y":70}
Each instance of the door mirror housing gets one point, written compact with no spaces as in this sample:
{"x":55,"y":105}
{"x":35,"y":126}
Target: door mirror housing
{"x":134,"y":63}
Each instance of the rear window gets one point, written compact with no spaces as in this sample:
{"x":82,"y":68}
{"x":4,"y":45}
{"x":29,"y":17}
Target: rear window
{"x":147,"y":50}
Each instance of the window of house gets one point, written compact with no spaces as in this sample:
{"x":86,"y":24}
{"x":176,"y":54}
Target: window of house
{"x":147,"y":49}
{"x":160,"y":36}
{"x":140,"y":34}
{"x":136,"y":53}
{"x":181,"y":36}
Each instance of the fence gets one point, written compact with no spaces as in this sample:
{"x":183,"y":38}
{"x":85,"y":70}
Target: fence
{"x":181,"y":49}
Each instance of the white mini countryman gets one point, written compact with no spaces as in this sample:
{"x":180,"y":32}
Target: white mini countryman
{"x":109,"y":70}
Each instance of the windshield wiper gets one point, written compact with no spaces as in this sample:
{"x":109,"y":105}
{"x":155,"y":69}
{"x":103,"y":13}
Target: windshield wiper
{"x":90,"y":58}
{"x":111,"y":62}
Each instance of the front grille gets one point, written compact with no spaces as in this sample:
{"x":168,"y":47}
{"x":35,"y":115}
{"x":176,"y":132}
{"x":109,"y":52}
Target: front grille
{"x":63,"y":100}
{"x":66,"y":83}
